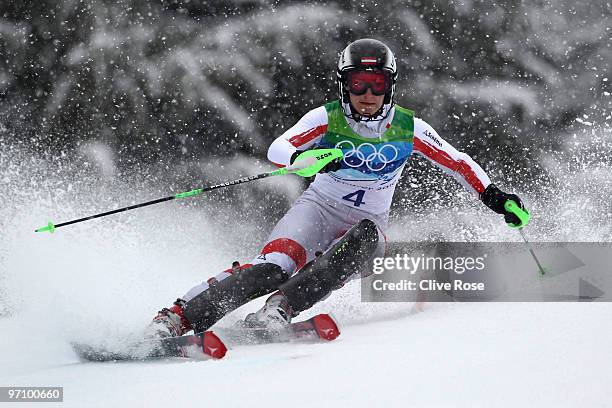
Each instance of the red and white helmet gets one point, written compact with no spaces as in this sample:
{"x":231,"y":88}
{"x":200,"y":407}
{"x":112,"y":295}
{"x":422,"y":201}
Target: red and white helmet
{"x":366,"y":55}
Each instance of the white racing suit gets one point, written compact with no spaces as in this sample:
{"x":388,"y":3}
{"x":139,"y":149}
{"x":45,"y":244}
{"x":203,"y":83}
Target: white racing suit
{"x":375,"y":153}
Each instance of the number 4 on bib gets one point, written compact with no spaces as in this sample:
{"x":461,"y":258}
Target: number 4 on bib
{"x":358,"y":200}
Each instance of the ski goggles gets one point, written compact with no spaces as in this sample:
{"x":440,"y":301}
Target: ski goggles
{"x":358,"y":82}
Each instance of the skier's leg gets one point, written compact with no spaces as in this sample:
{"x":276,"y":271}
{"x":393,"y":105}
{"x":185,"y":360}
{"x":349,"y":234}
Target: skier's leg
{"x":305,"y":232}
{"x":306,"y":228}
{"x":347,"y":258}
{"x":224,"y":296}
{"x":171,"y":322}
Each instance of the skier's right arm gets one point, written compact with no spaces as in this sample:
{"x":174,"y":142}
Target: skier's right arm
{"x":306,"y":133}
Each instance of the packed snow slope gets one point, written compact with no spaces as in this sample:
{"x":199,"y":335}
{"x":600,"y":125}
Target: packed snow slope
{"x":450,"y":355}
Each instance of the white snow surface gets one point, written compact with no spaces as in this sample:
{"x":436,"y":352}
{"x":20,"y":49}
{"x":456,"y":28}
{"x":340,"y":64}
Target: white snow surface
{"x":449,"y":355}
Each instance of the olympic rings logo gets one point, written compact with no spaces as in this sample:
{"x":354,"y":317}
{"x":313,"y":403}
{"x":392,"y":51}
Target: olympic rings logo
{"x":375,"y":159}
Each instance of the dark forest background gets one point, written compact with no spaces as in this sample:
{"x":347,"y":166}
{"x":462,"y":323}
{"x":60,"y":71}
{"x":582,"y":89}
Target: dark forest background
{"x":201,"y":81}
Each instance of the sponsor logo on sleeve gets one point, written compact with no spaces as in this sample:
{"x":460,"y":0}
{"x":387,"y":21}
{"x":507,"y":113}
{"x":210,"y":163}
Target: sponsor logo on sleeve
{"x":433,"y":138}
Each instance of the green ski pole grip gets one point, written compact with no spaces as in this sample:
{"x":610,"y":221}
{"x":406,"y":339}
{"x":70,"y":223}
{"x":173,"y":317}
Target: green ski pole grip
{"x":523,"y":215}
{"x":322,"y":156}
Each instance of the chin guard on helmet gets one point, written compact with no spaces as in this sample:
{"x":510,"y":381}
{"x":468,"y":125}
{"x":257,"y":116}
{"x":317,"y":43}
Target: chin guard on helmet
{"x":367,"y":55}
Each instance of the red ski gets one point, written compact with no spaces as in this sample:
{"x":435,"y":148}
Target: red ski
{"x":319,"y":327}
{"x":198,"y":346}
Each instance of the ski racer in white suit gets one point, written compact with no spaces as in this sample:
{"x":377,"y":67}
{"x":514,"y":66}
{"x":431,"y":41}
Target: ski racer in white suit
{"x":377,"y":138}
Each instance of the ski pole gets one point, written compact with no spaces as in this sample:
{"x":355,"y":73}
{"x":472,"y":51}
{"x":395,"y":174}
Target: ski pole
{"x":524,"y":217}
{"x":307,"y":164}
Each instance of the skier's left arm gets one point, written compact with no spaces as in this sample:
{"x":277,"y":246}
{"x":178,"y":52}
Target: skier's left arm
{"x":463,"y":168}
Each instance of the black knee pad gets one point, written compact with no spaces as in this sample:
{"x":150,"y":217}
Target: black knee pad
{"x":208,"y":307}
{"x":327,"y":272}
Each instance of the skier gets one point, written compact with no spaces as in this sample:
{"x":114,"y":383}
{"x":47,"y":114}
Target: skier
{"x":338,"y":223}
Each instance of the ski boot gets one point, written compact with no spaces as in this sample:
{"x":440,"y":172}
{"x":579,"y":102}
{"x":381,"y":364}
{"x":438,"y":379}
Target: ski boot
{"x":169,"y":322}
{"x":276,"y":314}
